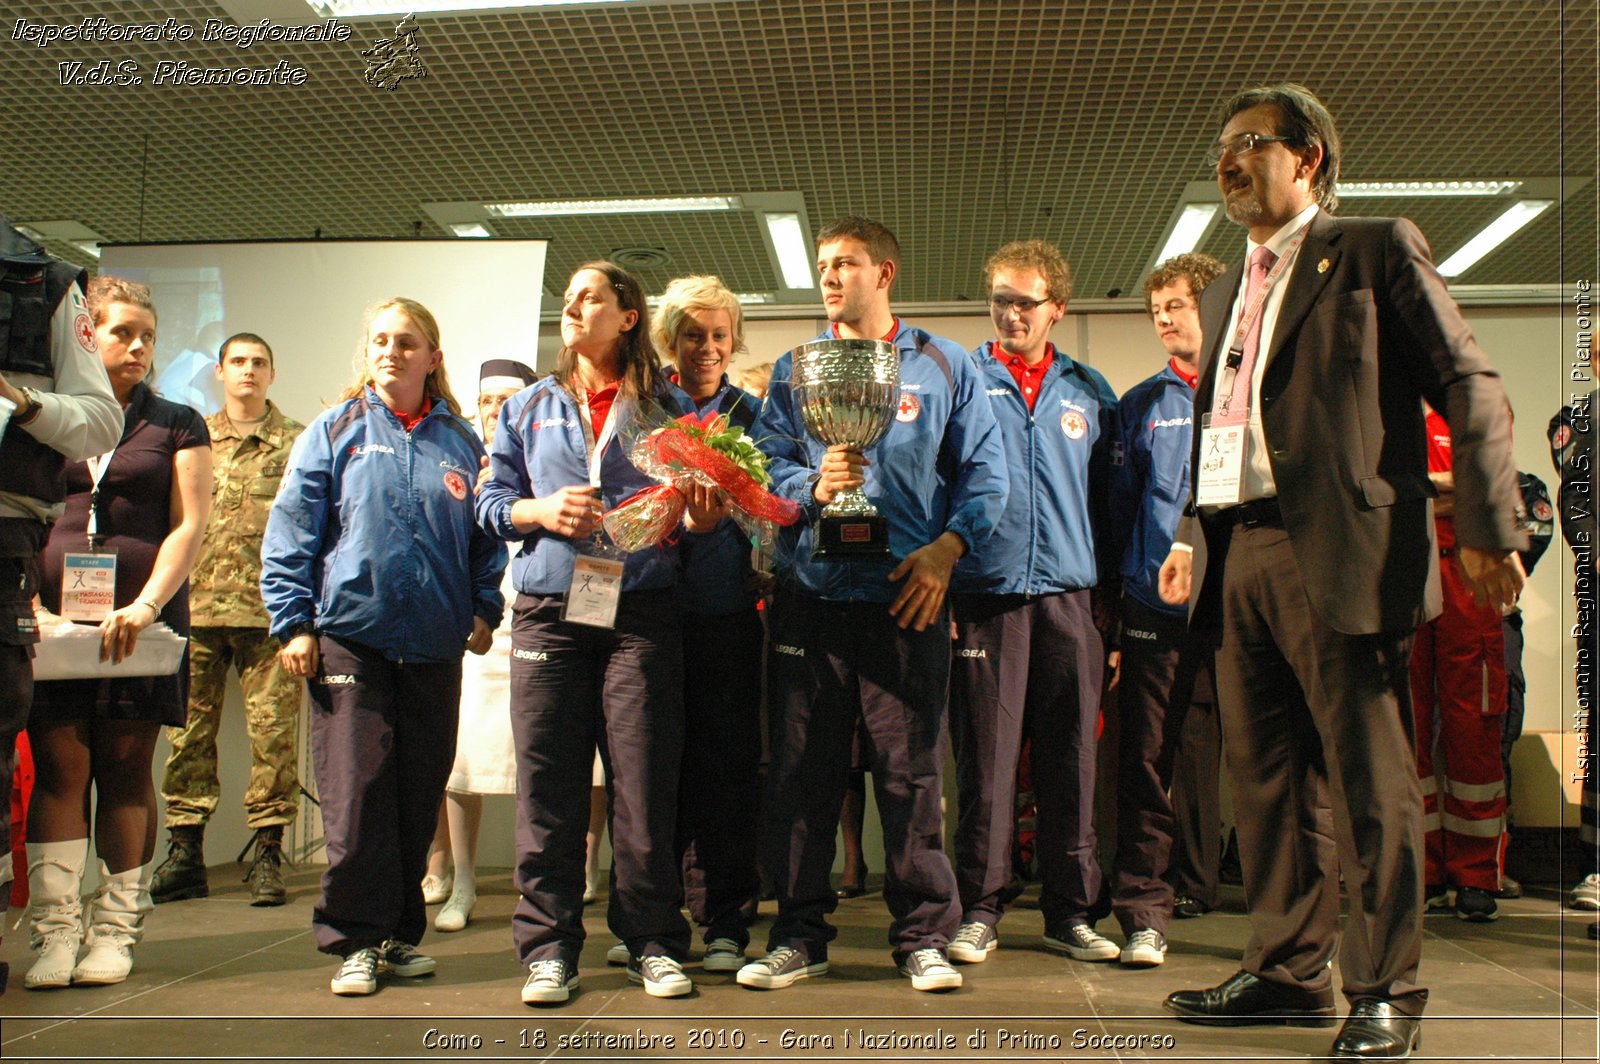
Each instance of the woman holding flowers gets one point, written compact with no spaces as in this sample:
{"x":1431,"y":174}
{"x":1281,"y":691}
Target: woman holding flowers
{"x":597,"y":646}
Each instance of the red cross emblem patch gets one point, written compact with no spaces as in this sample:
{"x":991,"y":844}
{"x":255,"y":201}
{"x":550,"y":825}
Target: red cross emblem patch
{"x":910,"y":407}
{"x":455,"y":484}
{"x":1074,"y":425}
{"x":84,"y":329}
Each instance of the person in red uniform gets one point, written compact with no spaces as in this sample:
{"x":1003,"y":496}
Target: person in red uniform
{"x":1458,"y":693}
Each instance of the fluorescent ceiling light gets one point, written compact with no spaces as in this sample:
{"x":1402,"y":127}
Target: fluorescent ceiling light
{"x":747,"y":298}
{"x":1493,"y":235}
{"x":794,"y":250}
{"x":470,"y":229}
{"x":65,"y":230}
{"x":1190,"y":228}
{"x":663,"y":205}
{"x":370,"y":8}
{"x":1378,"y":189}
{"x":88,"y":247}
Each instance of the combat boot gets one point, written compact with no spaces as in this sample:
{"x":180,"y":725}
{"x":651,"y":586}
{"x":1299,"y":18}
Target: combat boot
{"x":266,"y":871}
{"x":183,"y":874}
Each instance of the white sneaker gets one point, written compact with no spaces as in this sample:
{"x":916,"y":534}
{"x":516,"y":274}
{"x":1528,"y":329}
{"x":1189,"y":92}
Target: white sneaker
{"x":1586,"y":895}
{"x":549,"y":982}
{"x":723,"y":955}
{"x":1082,"y":943}
{"x":456,"y":912}
{"x":436,"y":889}
{"x":973,"y":943}
{"x":660,"y":976}
{"x":781,"y":967}
{"x":930,"y":969}
{"x":358,"y":975}
{"x":618,"y":954}
{"x":1146,"y":948}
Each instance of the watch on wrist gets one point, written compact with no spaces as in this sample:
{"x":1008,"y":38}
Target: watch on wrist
{"x":30,"y":406}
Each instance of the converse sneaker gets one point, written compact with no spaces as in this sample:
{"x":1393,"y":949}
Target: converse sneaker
{"x":1586,"y":895}
{"x":723,"y":955}
{"x":930,"y":969}
{"x":358,"y":975}
{"x":402,"y":959}
{"x":660,"y":976}
{"x":549,"y":982}
{"x":1146,"y":948}
{"x":618,"y":954}
{"x":1081,"y":942}
{"x":781,"y":967}
{"x":973,"y":943}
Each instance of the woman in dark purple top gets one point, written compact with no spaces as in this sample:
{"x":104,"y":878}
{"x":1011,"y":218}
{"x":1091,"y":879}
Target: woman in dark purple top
{"x":149,"y":502}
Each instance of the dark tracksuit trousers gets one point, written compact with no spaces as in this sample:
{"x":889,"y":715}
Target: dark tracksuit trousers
{"x":1156,"y":698}
{"x":1027,"y":667}
{"x":829,"y":663}
{"x":719,"y":792}
{"x":383,"y":737}
{"x":574,"y":687}
{"x":20,"y":543}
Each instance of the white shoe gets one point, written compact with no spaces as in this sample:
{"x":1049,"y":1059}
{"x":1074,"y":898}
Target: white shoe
{"x":549,"y":982}
{"x":358,"y":975}
{"x":456,"y":912}
{"x":55,"y":878}
{"x":618,"y":954}
{"x":1586,"y":895}
{"x":590,"y":891}
{"x":116,"y":924}
{"x":436,"y":889}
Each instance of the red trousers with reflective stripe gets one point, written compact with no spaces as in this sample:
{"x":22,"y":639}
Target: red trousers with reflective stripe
{"x":1458,"y":692}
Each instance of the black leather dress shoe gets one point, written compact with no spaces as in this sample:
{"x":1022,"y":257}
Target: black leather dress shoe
{"x":848,"y":891}
{"x":1376,"y":1030}
{"x":1186,"y":907}
{"x":1244,"y":1000}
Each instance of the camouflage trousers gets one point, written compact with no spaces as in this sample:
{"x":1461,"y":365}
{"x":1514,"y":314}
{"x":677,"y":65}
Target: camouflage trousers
{"x":271,"y":706}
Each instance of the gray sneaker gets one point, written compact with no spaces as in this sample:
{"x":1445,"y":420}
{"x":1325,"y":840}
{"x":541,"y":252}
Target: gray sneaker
{"x":660,"y":976}
{"x":782,"y":967}
{"x":973,"y":943}
{"x":1146,"y":948}
{"x":402,"y":959}
{"x":723,"y":955}
{"x":1081,"y":942}
{"x":358,"y":974}
{"x":930,"y":969}
{"x":549,"y":982}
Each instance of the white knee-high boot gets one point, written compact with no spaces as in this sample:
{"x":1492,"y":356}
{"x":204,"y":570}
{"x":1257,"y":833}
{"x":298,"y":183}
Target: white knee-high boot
{"x":55,"y":883}
{"x":116,"y":922}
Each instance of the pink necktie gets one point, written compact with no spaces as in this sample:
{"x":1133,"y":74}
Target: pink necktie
{"x":1233,"y":408}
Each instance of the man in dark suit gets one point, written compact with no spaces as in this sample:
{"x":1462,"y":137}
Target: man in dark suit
{"x":1309,"y":546}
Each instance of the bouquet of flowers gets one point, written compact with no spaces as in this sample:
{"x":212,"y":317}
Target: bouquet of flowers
{"x":701,"y":448}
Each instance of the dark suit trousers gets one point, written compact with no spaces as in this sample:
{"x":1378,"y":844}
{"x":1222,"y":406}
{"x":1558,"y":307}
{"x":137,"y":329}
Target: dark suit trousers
{"x":1313,"y":716}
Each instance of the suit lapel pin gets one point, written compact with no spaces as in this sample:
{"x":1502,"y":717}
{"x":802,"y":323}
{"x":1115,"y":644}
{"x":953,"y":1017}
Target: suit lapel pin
{"x":1322,"y":267}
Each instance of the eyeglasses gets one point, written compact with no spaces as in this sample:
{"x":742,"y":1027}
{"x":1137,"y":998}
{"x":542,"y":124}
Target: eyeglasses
{"x":1171,"y":308}
{"x":1243,"y":144}
{"x":1002,"y":304}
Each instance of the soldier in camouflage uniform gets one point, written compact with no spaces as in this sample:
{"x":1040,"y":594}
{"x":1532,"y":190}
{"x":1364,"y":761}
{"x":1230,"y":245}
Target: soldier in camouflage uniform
{"x":250,"y":441}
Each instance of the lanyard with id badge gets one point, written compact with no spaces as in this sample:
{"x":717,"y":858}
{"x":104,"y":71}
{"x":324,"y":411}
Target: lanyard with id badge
{"x":89,"y":578}
{"x":596,"y":589}
{"x":1220,"y":477}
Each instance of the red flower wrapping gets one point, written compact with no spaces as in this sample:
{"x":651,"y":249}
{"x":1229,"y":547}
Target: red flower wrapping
{"x":645,"y":518}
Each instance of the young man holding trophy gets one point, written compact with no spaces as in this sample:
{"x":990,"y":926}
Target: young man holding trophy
{"x":884,"y":436}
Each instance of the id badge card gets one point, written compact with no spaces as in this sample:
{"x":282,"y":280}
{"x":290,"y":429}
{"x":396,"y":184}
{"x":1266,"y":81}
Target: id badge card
{"x":595,"y":593}
{"x":88,"y":585}
{"x":1221,"y":472}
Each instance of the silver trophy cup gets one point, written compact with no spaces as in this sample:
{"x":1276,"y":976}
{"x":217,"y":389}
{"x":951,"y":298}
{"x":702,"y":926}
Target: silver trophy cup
{"x":847,"y":392}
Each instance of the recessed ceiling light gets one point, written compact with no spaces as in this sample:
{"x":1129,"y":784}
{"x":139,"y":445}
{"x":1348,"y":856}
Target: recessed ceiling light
{"x":470,"y":229}
{"x":794,"y":250}
{"x":1190,"y":228}
{"x":1493,"y":235}
{"x":659,"y":205}
{"x":1378,"y":189}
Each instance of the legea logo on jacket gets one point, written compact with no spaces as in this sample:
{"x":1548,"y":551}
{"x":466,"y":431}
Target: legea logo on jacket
{"x":368,"y":448}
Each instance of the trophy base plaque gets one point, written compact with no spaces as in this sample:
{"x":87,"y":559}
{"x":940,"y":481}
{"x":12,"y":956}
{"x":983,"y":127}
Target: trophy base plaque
{"x":853,"y":537}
